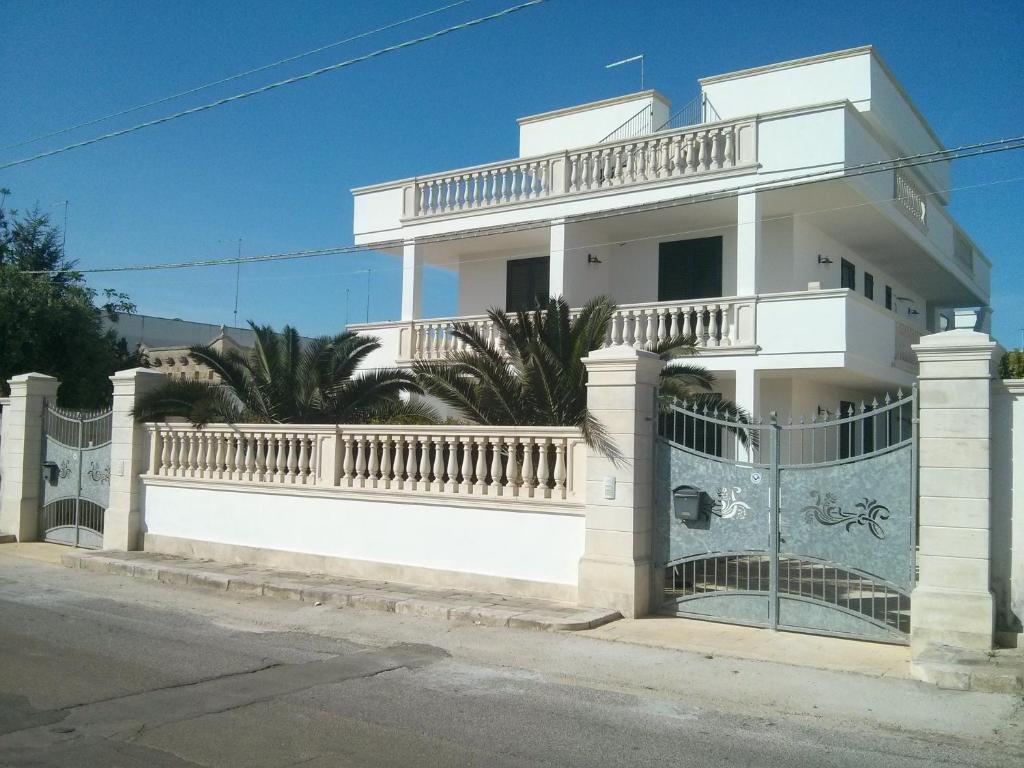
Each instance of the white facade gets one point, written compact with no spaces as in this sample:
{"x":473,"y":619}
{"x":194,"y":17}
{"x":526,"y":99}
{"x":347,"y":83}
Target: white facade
{"x":785,"y":164}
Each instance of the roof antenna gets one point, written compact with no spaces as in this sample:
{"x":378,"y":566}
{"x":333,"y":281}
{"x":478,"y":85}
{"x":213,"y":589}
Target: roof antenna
{"x":630,"y":60}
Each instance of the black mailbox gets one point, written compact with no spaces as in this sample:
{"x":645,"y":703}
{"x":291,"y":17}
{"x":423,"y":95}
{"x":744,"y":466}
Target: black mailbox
{"x":50,"y":472}
{"x":686,"y":503}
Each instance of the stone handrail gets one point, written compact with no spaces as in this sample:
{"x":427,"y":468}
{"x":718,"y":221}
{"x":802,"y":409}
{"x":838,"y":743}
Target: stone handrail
{"x":672,"y":154}
{"x":535,"y":464}
{"x":714,"y":323}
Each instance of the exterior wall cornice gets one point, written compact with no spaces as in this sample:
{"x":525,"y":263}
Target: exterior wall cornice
{"x":650,"y":93}
{"x":791,"y":64}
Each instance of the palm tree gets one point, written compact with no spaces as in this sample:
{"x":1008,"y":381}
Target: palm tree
{"x":285,"y":381}
{"x":535,"y":376}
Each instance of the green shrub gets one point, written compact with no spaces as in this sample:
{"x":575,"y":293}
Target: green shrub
{"x":1012,"y":365}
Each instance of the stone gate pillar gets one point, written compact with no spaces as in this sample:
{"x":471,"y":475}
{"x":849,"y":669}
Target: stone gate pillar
{"x":615,"y":570}
{"x":952,"y":604}
{"x":21,"y":453}
{"x":129,"y":453}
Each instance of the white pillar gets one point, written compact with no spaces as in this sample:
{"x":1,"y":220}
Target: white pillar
{"x":21,"y":453}
{"x":129,"y":456}
{"x":748,"y":242}
{"x":412,"y":281}
{"x":557,"y":264}
{"x":748,"y":391}
{"x":616,"y":567}
{"x":952,"y":604}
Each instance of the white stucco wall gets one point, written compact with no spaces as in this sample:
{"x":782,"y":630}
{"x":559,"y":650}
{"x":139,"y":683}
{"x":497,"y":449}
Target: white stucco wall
{"x":586,"y":124}
{"x":535,"y":546}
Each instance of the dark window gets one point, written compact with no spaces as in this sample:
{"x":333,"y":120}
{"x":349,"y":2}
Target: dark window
{"x":888,"y":297}
{"x":869,"y":285}
{"x":690,"y":269}
{"x":526,"y":283}
{"x":847,"y":275}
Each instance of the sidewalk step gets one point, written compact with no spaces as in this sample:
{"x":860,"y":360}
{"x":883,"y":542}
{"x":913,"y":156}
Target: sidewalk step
{"x":478,"y":608}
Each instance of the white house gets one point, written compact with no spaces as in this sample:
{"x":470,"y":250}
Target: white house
{"x":758,"y":217}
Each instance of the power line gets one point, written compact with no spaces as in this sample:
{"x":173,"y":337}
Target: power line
{"x":231,"y":78}
{"x":829,"y":173}
{"x":280,"y":83}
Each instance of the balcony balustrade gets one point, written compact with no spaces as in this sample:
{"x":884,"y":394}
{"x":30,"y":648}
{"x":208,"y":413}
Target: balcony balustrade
{"x":715,"y":323}
{"x":668,"y":155}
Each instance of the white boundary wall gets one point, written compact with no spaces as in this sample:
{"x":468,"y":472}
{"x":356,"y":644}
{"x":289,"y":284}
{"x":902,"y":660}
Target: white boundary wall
{"x":1008,"y":509}
{"x":505,"y":544}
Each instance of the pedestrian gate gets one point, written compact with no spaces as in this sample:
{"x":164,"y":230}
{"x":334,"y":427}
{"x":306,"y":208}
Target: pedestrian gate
{"x":807,"y":527}
{"x":76,"y":476}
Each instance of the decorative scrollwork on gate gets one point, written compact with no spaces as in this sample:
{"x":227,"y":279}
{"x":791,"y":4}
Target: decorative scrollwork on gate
{"x":827,"y":511}
{"x":727,"y":506}
{"x":98,"y":473}
{"x":64,"y":470}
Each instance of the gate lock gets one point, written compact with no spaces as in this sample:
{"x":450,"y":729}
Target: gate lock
{"x":686,"y":503}
{"x":50,"y":472}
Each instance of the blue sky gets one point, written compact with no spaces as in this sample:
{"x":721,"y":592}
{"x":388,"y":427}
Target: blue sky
{"x":275,"y":170}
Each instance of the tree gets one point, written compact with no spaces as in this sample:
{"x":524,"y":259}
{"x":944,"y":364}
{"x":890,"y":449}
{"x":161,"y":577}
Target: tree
{"x":50,"y":320}
{"x":535,"y":375}
{"x":283,"y":381}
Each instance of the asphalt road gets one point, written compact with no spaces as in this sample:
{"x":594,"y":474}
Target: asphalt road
{"x":100,"y":670}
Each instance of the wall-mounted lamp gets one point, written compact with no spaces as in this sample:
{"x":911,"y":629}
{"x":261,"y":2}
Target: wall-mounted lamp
{"x":824,"y":259}
{"x":908,"y":300}
{"x":592,"y":259}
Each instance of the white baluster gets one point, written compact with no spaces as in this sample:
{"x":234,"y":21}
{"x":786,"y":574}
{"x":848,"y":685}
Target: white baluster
{"x":529,"y":482}
{"x":687,"y":328}
{"x":167,"y":440}
{"x":373,"y":466}
{"x":725,"y":332}
{"x":261,"y":467}
{"x":293,"y":459}
{"x":496,"y":488}
{"x":360,"y":461}
{"x":662,"y":327}
{"x":410,"y":465}
{"x":702,"y":339}
{"x":438,"y":468}
{"x":716,"y":147}
{"x":515,"y":478}
{"x":560,"y":473}
{"x":543,"y":470}
{"x":282,"y":458}
{"x":385,"y":461}
{"x":651,"y":334}
{"x":729,"y":158}
{"x":271,"y":462}
{"x":481,"y":465}
{"x":465,"y":481}
{"x":399,"y":462}
{"x":424,"y":464}
{"x":452,"y":471}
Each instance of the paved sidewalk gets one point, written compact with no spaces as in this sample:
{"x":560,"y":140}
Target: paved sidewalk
{"x":452,"y":605}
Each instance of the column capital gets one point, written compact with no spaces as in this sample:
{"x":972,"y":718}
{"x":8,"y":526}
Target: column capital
{"x":960,"y":354}
{"x":33,"y":384}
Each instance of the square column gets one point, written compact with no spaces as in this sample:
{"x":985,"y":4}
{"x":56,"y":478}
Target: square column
{"x":557,"y":264}
{"x":748,"y":242}
{"x":412,"y":281}
{"x":21,"y":453}
{"x":129,"y":456}
{"x":952,"y":604}
{"x":616,"y":567}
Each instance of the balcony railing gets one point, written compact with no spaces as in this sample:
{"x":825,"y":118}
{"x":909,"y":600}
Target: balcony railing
{"x":713,"y":323}
{"x":669,"y":155}
{"x":910,"y":198}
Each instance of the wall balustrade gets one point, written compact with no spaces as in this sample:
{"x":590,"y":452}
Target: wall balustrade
{"x":541,"y":464}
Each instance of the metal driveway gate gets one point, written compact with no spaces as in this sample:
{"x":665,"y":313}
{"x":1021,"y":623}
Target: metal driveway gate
{"x":807,"y":527}
{"x":76,"y":476}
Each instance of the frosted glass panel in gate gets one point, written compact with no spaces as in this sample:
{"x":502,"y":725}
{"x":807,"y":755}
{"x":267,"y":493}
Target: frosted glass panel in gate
{"x":734,"y":505}
{"x":855,"y":514}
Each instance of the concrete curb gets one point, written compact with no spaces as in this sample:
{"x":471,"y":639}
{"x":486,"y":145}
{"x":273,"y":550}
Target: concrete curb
{"x":449,"y":605}
{"x":959,"y":670}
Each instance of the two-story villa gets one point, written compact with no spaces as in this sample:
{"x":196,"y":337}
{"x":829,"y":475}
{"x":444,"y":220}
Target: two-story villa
{"x":763,"y":217}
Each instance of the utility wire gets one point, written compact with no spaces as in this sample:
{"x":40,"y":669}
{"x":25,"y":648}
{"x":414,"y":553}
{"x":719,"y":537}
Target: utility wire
{"x":829,"y":173}
{"x":231,"y":78}
{"x":280,"y":83}
{"x":603,"y":243}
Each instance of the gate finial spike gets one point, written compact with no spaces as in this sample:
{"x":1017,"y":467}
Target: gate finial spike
{"x":863,"y":407}
{"x":874,"y":403}
{"x":899,"y":393}
{"x":887,"y":399}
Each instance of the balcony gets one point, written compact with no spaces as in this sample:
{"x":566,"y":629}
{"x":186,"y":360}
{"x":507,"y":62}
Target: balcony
{"x":673,"y":156}
{"x":802,"y":329}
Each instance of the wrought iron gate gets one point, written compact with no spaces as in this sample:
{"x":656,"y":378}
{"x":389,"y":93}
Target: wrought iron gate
{"x":76,"y":476}
{"x":807,"y":527}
